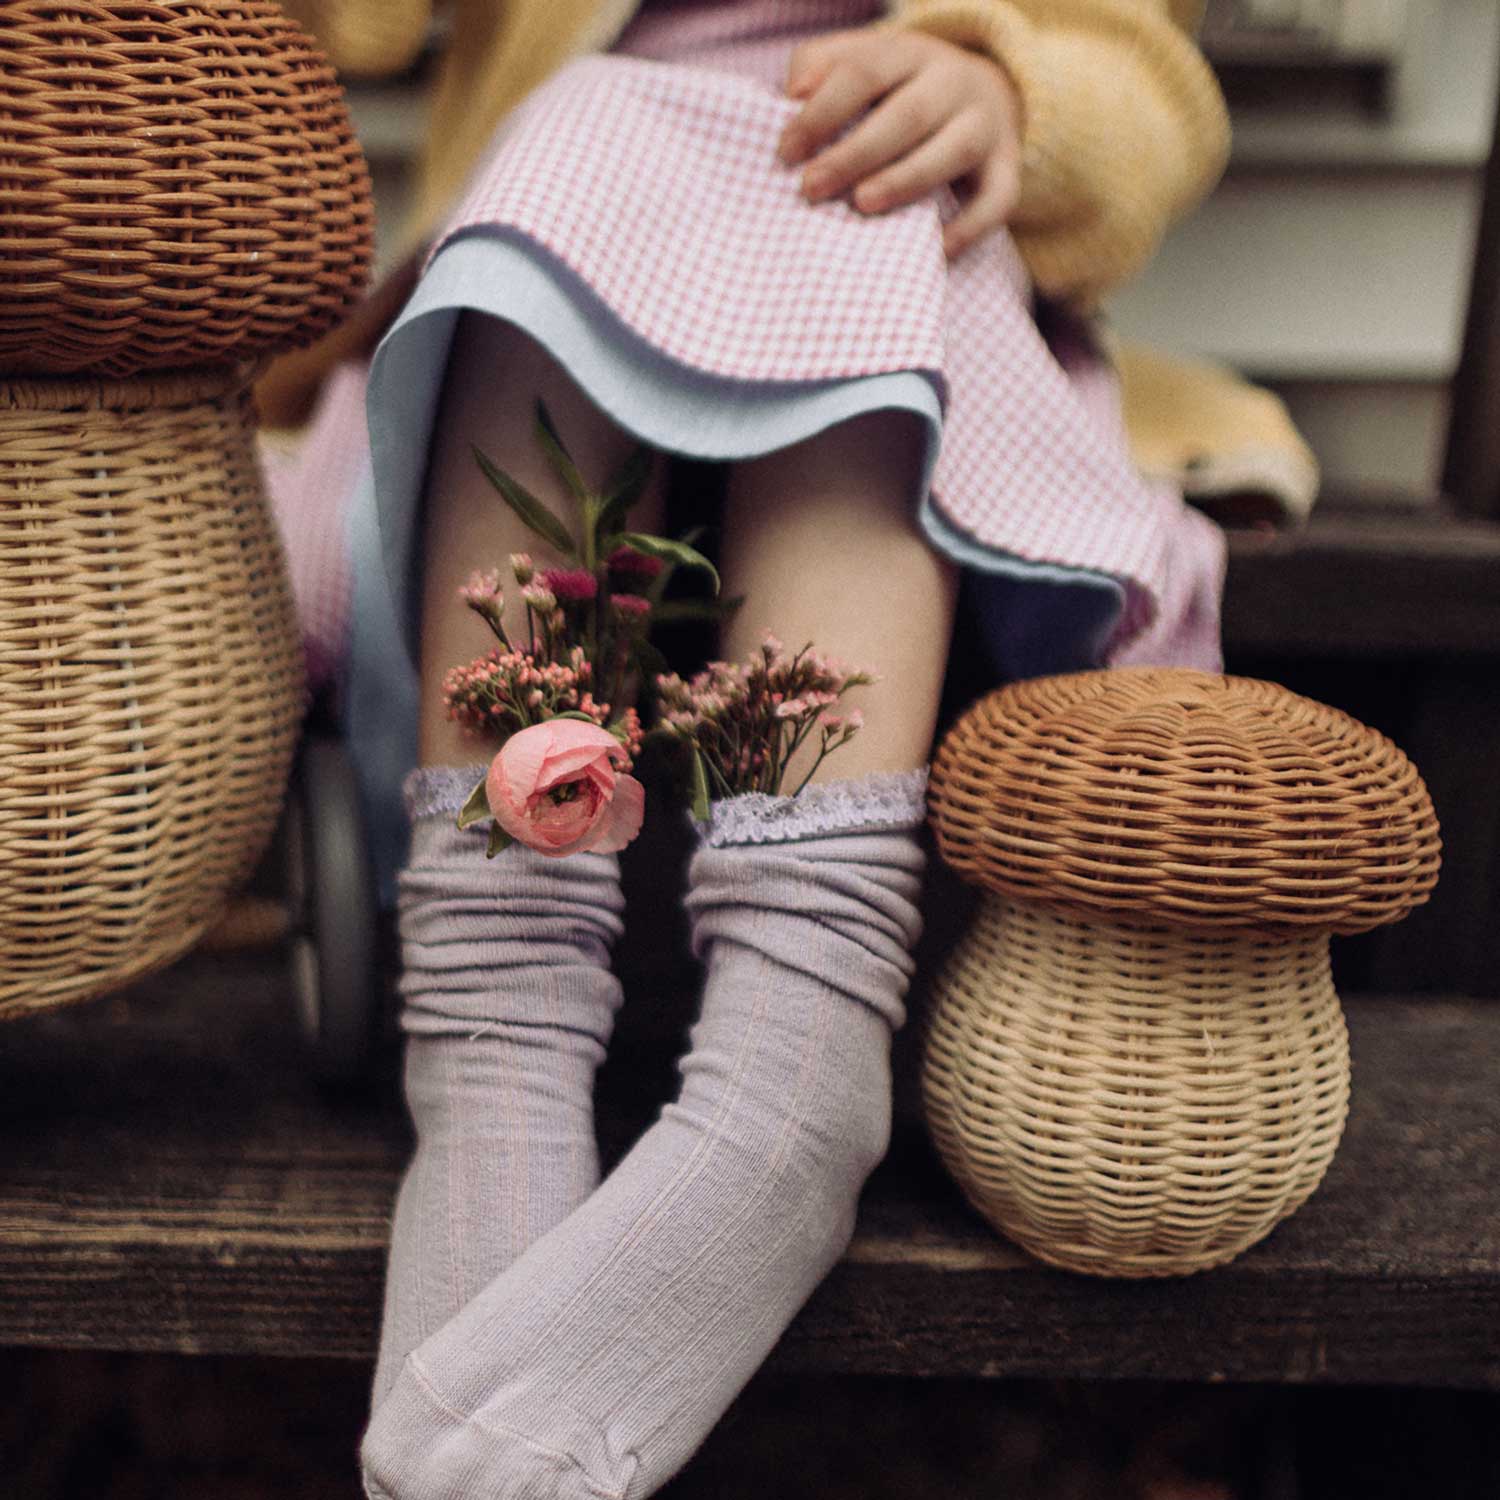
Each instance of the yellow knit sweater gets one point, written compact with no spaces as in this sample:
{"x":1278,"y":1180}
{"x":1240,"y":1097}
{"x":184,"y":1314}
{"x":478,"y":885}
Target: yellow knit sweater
{"x":1124,"y":126}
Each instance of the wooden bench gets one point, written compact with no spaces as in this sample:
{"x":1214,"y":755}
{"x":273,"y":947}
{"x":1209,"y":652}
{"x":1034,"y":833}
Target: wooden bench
{"x":1394,"y":615}
{"x":171,"y":1179}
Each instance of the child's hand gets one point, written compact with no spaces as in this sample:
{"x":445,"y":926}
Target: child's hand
{"x":938,"y":114}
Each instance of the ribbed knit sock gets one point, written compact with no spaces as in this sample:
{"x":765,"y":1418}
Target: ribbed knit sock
{"x":508,"y":1005}
{"x":599,"y":1362}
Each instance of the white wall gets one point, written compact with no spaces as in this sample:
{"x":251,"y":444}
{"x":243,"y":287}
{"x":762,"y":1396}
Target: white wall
{"x":1333,"y":261}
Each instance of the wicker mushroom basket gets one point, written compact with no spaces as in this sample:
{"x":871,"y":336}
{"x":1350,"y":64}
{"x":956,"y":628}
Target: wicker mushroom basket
{"x":1137,"y":1064}
{"x":182,"y":186}
{"x":150,"y":672}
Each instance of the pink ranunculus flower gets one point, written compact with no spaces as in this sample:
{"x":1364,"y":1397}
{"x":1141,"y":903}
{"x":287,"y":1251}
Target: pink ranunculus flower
{"x":555,"y":787}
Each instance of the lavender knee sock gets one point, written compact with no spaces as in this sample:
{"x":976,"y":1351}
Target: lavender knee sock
{"x":508,"y":1004}
{"x":598,"y":1363}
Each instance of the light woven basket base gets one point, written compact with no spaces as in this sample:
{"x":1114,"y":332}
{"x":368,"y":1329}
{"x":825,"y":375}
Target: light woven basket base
{"x":150,"y":675}
{"x":1129,"y":1102}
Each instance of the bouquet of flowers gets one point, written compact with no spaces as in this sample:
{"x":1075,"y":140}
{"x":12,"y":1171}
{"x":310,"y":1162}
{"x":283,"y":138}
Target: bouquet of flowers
{"x":746,"y":722}
{"x":560,"y":782}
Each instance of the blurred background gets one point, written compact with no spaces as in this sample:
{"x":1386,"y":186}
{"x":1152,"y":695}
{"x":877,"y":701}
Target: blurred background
{"x":1333,"y":262}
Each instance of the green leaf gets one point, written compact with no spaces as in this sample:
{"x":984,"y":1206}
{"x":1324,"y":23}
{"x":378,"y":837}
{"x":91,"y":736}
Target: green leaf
{"x":699,"y":790}
{"x":558,"y":455}
{"x":476,"y":809}
{"x":574,"y":713}
{"x":677,"y":611}
{"x":499,"y":839}
{"x":528,"y":507}
{"x":651,"y":662}
{"x":679,"y":554}
{"x":627,"y":486}
{"x":658,"y":588}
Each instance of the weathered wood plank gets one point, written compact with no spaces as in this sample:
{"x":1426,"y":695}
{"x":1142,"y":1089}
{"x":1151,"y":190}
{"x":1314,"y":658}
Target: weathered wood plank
{"x":1366,"y":584}
{"x":170,"y":1180}
{"x":1395,"y":617}
{"x":1453,"y":734}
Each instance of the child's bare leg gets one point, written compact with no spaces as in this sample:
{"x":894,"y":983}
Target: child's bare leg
{"x":598,"y":1363}
{"x":495,"y":375}
{"x":508,"y":996}
{"x":822,"y":540}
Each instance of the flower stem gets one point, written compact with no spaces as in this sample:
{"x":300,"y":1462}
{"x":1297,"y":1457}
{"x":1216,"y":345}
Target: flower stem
{"x":822,"y":756}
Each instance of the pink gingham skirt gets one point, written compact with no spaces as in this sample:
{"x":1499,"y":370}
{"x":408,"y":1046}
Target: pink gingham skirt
{"x":649,"y":176}
{"x":651,"y":173}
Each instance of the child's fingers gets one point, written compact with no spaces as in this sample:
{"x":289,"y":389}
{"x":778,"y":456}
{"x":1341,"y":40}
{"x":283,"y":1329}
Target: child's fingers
{"x":810,"y":62}
{"x":852,"y":84}
{"x":898,"y":124}
{"x":991,"y":206}
{"x":954,"y":151}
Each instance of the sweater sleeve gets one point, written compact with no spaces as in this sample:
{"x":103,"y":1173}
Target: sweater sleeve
{"x":365,"y":38}
{"x":1124,"y":128}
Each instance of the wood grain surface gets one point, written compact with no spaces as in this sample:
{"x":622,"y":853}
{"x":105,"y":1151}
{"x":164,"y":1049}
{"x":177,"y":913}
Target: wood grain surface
{"x":1368,"y":583}
{"x":171,"y":1180}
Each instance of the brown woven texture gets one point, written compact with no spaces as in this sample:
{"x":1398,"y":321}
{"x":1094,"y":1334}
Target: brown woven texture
{"x":179,"y":185}
{"x":1184,"y":797}
{"x":150,"y":675}
{"x":1134,"y":1103}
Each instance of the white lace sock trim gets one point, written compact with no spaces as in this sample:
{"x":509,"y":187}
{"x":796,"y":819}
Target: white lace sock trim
{"x":883,"y":802}
{"x":439,"y":789}
{"x":869,"y":804}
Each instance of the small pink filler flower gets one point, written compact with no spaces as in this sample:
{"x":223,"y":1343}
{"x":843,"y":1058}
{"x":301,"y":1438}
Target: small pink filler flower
{"x":555,"y":787}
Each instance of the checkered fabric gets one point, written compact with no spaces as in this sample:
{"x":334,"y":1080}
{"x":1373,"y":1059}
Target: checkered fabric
{"x":651,"y":173}
{"x":310,"y":484}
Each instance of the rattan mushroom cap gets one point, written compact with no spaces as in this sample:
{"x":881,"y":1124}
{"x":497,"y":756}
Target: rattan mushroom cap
{"x":182,"y":186}
{"x":1185,"y":799}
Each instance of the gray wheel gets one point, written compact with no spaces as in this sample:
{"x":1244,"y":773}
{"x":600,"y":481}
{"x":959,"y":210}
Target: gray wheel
{"x":331,"y":895}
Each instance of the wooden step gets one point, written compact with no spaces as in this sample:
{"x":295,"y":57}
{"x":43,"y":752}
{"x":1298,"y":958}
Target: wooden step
{"x":171,"y":1180}
{"x":1371,"y":582}
{"x":1393,"y":615}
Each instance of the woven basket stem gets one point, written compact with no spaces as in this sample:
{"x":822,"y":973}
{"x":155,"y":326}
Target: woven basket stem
{"x":150,"y":671}
{"x":1133,"y":1101}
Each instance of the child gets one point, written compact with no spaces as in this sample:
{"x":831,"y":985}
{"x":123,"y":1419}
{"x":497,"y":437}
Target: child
{"x":770,"y":232}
